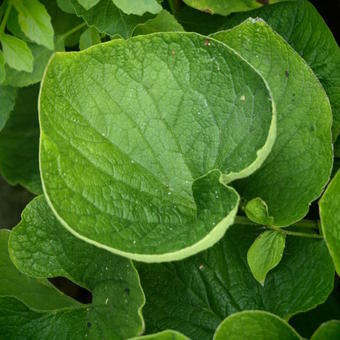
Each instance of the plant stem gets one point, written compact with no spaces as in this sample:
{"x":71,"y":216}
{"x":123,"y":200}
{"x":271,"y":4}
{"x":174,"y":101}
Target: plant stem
{"x":301,"y":224}
{"x":72,"y":30}
{"x":294,"y":233}
{"x":4,"y":20}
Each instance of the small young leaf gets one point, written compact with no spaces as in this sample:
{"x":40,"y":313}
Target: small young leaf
{"x":87,"y":4}
{"x":19,"y":142}
{"x":257,"y":211}
{"x":330,"y":219}
{"x":88,"y":38}
{"x":201,"y":291}
{"x":163,"y":22}
{"x":40,"y":247}
{"x":35,"y":22}
{"x":138,"y":7}
{"x":16,"y":78}
{"x":255,"y":325}
{"x":328,"y":331}
{"x":16,"y":52}
{"x":124,"y":109}
{"x":265,"y":254}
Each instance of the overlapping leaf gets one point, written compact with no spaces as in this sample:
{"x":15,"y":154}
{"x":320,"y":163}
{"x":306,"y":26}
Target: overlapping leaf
{"x":300,"y":163}
{"x":19,"y":142}
{"x":330,"y":219}
{"x":40,"y":247}
{"x":7,"y":100}
{"x":193,"y":296}
{"x":158,"y":122}
{"x":305,"y":30}
{"x":255,"y":325}
{"x":327,"y":331}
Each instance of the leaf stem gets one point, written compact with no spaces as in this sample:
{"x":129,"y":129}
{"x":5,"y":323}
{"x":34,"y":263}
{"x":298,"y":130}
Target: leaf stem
{"x":301,"y":224}
{"x":5,"y":18}
{"x":72,"y":30}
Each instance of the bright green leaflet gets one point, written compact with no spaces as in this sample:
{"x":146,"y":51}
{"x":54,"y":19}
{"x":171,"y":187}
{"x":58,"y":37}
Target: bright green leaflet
{"x":89,"y":38}
{"x":257,"y":211}
{"x":138,"y":7}
{"x":225,"y":7}
{"x":163,"y":22}
{"x":300,"y":163}
{"x":157,"y":130}
{"x":330,"y":219}
{"x":37,"y":294}
{"x":265,"y":254}
{"x":19,"y":142}
{"x":35,"y":22}
{"x":305,"y":30}
{"x":17,"y":78}
{"x":7,"y":101}
{"x":328,"y":331}
{"x":87,"y":4}
{"x":195,"y":295}
{"x":40,"y":247}
{"x":257,"y":325}
{"x":164,"y":335}
{"x":16,"y":52}
{"x":109,"y":19}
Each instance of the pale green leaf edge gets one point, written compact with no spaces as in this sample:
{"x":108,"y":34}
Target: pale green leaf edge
{"x":256,"y":312}
{"x":219,"y":230}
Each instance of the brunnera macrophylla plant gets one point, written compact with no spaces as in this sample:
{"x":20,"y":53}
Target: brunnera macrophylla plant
{"x":184,"y":159}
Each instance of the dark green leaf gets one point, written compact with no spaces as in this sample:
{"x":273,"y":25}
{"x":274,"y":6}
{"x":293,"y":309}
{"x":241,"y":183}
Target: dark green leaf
{"x":7,"y":101}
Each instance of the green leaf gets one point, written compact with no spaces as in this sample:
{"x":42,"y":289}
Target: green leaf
{"x":144,"y":118}
{"x":306,"y":31}
{"x":193,"y":296}
{"x":307,"y":323}
{"x":328,"y":331}
{"x":138,"y":7}
{"x":337,"y":148}
{"x":265,"y":254}
{"x":109,"y":19}
{"x":37,"y":294}
{"x":40,"y":247}
{"x":2,"y":69}
{"x":330,"y":219}
{"x":16,"y":52}
{"x":7,"y":100}
{"x":163,"y":22}
{"x":300,"y":163}
{"x":19,"y":142}
{"x":17,"y":78}
{"x":87,"y":4}
{"x":66,"y":6}
{"x":257,"y":325}
{"x":164,"y":335}
{"x":257,"y":211}
{"x":88,"y":38}
{"x":35,"y":22}
{"x":225,"y":7}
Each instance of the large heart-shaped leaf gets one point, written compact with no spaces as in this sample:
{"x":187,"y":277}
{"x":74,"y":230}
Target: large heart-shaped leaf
{"x":330,"y":219}
{"x":300,"y":163}
{"x":257,"y":325}
{"x":40,"y":247}
{"x":306,"y":31}
{"x":140,"y":134}
{"x":194,"y":295}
